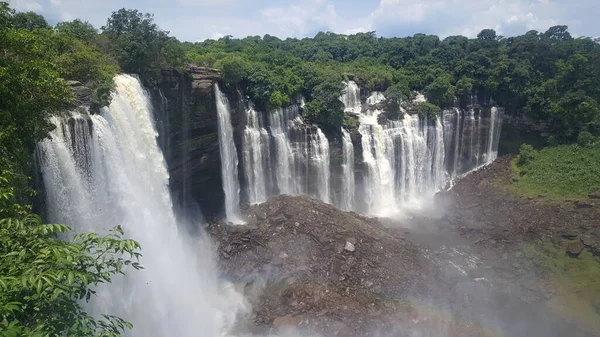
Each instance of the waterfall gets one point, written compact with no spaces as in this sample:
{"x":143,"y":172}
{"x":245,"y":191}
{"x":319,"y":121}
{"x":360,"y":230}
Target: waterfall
{"x":409,"y":160}
{"x":404,"y":162}
{"x":255,"y":157}
{"x":351,"y":98}
{"x":107,"y":169}
{"x":319,"y":155}
{"x":348,"y":183}
{"x":280,"y":122}
{"x":229,"y":159}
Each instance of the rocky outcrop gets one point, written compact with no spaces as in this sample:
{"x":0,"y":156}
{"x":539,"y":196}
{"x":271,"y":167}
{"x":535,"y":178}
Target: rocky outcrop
{"x":203,"y":79}
{"x":185,"y":108}
{"x":83,"y":94}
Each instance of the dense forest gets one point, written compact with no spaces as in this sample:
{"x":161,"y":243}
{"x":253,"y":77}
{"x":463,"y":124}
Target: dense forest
{"x":549,"y":76}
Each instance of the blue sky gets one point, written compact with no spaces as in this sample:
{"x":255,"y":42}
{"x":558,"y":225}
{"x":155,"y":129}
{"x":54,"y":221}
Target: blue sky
{"x":194,"y":20}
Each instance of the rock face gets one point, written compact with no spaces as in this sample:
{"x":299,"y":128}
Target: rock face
{"x":185,"y":108}
{"x":83,"y":94}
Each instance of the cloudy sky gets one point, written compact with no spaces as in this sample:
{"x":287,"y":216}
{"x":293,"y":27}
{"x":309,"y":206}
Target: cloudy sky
{"x":194,"y":20}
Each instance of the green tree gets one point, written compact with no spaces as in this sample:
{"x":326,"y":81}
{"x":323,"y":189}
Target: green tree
{"x":29,"y":21}
{"x":78,"y":29}
{"x":138,"y":44}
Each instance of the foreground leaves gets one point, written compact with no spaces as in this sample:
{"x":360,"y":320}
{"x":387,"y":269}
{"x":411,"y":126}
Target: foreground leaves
{"x":44,"y":280}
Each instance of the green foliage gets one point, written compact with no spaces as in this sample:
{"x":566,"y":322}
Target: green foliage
{"x":428,"y":110}
{"x":140,"y":46}
{"x":78,"y":29}
{"x":44,"y":279}
{"x":234,"y":69}
{"x":549,"y":75}
{"x":29,"y":21}
{"x":585,"y":138}
{"x":564,"y":171}
{"x":526,"y":154}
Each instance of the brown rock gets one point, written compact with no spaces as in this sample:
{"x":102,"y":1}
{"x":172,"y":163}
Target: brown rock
{"x":575,"y":248}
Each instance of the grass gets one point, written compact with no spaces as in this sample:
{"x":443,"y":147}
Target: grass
{"x":575,"y":280}
{"x":559,"y":172}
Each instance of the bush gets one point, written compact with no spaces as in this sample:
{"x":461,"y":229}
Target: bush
{"x":585,"y":138}
{"x":526,"y":154}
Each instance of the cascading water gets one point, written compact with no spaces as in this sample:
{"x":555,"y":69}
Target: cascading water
{"x":285,"y":156}
{"x":319,"y":155}
{"x":105,"y":170}
{"x":229,"y":159}
{"x":409,"y":160}
{"x":255,"y":159}
{"x":348,"y":181}
{"x":351,"y":98}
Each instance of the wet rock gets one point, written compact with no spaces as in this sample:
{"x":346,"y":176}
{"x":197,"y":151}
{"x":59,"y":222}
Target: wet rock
{"x":575,"y":248}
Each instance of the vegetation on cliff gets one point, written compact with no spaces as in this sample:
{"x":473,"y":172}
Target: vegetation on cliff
{"x":548,"y":75}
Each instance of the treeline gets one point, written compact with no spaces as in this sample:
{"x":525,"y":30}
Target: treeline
{"x":548,"y":76}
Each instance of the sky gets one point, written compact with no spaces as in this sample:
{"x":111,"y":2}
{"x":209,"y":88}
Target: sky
{"x":197,"y":20}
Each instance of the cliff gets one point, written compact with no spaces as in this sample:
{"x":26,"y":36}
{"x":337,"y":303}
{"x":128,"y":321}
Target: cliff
{"x":185,"y":108}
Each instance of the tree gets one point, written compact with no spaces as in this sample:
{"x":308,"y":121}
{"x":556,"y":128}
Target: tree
{"x":78,"y":29}
{"x":558,"y":33}
{"x":138,"y":44}
{"x":487,"y":34}
{"x":29,"y":21}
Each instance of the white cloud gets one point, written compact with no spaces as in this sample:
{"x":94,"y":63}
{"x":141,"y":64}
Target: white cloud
{"x":55,"y":2}
{"x":28,"y":6}
{"x":466,"y":17}
{"x":303,"y":19}
{"x":207,"y":3}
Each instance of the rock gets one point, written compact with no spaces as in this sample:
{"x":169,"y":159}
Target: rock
{"x":592,"y":243}
{"x":515,"y":180}
{"x":570,"y":235}
{"x":594,"y":195}
{"x":83,"y":94}
{"x":575,"y":248}
{"x":288,"y":320}
{"x":584,"y":204}
{"x":349,"y":247}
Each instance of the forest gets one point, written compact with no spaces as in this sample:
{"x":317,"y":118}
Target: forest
{"x":548,"y":76}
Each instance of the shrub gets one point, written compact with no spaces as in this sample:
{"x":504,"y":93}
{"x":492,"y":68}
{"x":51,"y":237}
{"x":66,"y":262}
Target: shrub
{"x":526,"y":154}
{"x":585,"y":138}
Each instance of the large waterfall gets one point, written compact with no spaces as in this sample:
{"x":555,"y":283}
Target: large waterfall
{"x":105,"y":170}
{"x":229,"y":158}
{"x":402,"y":163}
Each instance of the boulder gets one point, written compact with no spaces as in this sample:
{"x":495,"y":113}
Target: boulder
{"x":83,"y":94}
{"x":575,"y":248}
